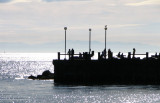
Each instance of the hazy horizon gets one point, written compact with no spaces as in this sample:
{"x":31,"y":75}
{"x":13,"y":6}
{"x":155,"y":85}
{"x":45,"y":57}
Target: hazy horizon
{"x":78,"y":46}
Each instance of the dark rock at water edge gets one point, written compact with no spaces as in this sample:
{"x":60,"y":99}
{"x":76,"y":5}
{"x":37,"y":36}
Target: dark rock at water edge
{"x":45,"y":75}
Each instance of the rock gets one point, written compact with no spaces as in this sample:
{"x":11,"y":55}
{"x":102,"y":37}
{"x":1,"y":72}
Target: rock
{"x":32,"y":77}
{"x":39,"y":76}
{"x":45,"y":75}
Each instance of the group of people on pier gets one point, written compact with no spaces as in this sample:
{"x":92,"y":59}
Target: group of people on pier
{"x":105,"y":55}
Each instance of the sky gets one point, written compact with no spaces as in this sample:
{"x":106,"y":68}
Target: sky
{"x":38,"y":25}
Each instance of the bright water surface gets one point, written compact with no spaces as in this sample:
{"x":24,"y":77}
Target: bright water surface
{"x":16,"y":88}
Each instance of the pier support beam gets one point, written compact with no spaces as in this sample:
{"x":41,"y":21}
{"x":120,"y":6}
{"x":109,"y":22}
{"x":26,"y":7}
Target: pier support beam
{"x":58,"y":55}
{"x":147,"y":55}
{"x":98,"y":55}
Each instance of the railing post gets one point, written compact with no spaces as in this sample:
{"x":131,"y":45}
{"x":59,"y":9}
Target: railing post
{"x":98,"y":55}
{"x":147,"y":55}
{"x":58,"y":55}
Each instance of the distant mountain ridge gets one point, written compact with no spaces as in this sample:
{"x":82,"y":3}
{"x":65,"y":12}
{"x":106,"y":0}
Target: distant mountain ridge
{"x":79,"y":46}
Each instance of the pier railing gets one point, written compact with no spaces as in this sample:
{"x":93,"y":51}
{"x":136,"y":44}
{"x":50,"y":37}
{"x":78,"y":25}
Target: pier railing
{"x":133,"y":55}
{"x":72,"y":56}
{"x":87,"y":56}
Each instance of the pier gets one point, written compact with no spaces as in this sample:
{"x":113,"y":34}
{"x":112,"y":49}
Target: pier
{"x":106,"y":69}
{"x":129,"y":70}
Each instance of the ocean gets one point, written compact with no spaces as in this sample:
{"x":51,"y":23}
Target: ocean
{"x":16,"y":88}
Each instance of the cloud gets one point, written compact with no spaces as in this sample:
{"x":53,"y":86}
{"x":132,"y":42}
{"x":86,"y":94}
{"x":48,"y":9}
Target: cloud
{"x":126,"y":25}
{"x":5,"y":1}
{"x":15,"y":1}
{"x":54,"y":0}
{"x":62,"y":0}
{"x":38,"y":1}
{"x":146,"y":2}
{"x":41,"y":22}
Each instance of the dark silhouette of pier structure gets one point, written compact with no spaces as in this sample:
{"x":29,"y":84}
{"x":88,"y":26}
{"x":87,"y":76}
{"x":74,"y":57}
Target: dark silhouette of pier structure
{"x":106,"y":69}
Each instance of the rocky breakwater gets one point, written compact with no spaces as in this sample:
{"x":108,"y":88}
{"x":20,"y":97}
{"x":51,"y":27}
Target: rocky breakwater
{"x":45,"y":75}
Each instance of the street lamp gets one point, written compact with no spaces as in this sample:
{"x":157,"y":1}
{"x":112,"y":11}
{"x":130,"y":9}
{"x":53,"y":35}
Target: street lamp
{"x":65,"y":28}
{"x":105,"y":38}
{"x":90,"y":40}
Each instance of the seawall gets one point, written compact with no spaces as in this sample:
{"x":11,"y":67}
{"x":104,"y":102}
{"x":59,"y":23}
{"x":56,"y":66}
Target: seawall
{"x":108,"y":71}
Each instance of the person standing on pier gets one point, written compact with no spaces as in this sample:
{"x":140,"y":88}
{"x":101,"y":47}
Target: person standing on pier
{"x":134,"y":51}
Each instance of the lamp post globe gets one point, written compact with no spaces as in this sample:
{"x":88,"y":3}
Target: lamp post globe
{"x":65,"y":28}
{"x":105,"y":27}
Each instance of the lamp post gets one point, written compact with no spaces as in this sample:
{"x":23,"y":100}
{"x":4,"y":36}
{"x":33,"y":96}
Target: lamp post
{"x":105,"y":38}
{"x":65,"y":28}
{"x":90,"y":40}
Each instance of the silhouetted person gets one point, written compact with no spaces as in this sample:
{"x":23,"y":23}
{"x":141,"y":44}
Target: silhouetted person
{"x":119,"y":54}
{"x":134,"y":51}
{"x":92,"y":54}
{"x":72,"y":51}
{"x":156,"y":56}
{"x":69,"y":52}
{"x":122,"y":56}
{"x":159,"y":56}
{"x":129,"y":55}
{"x":109,"y":53}
{"x":80,"y":55}
{"x":104,"y":53}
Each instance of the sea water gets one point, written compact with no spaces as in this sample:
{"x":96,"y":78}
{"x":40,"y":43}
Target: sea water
{"x":16,"y":88}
